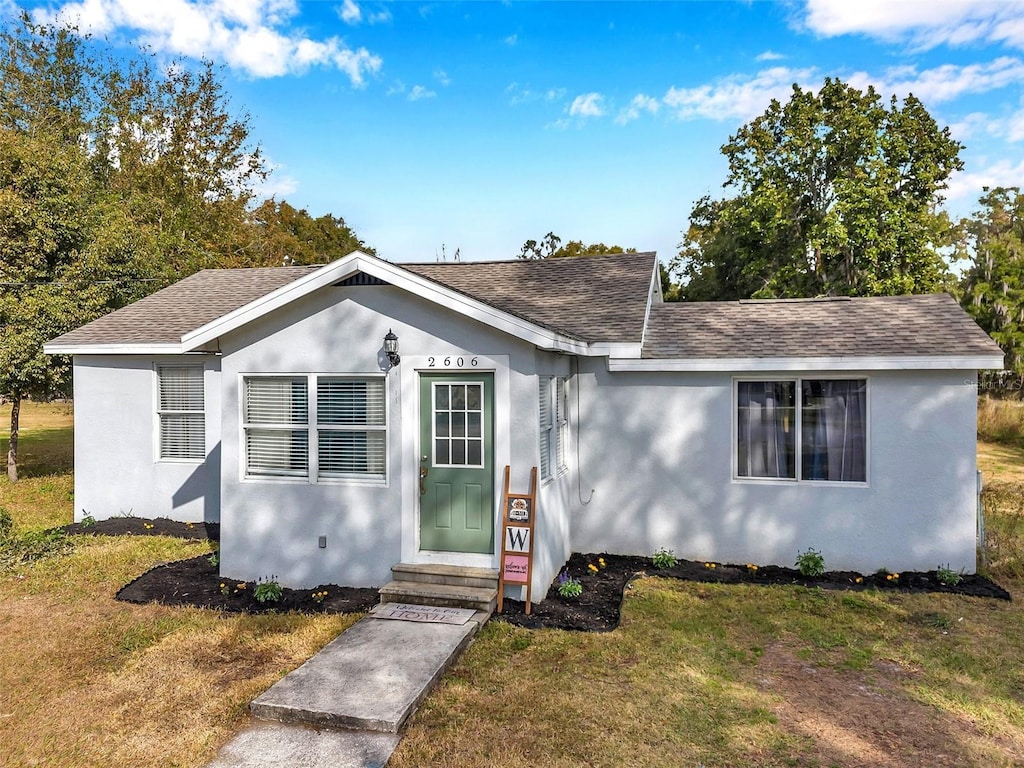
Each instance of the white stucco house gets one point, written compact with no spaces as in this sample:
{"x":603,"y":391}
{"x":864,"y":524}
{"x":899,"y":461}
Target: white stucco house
{"x":265,"y":400}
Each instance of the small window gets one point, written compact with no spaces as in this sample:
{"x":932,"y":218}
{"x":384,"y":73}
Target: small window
{"x":276,"y":424}
{"x":554,"y":426}
{"x":458,"y":424}
{"x":181,"y":412}
{"x":351,"y":427}
{"x":802,"y":429}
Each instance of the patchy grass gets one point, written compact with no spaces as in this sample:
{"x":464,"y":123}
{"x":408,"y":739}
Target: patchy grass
{"x":88,"y":681}
{"x":697,"y":674}
{"x":44,"y":496}
{"x":719,"y":675}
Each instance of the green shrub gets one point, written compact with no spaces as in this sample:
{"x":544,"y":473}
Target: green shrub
{"x":810,"y":563}
{"x":568,"y":586}
{"x":948,"y":576}
{"x":664,"y":558}
{"x":268,"y":591}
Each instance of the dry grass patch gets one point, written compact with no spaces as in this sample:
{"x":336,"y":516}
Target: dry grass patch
{"x":719,"y":675}
{"x":88,"y":681}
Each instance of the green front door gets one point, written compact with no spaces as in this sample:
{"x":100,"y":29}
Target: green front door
{"x":457,"y":463}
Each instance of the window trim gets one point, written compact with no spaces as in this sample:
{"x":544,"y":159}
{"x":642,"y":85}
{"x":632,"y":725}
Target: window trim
{"x":312,"y":475}
{"x":798,"y":428}
{"x":159,"y":413}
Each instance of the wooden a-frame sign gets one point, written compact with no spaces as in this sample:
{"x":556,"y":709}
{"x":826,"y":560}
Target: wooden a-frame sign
{"x":519,"y":512}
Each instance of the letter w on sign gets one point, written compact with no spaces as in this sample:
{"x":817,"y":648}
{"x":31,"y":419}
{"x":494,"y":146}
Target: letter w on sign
{"x":517,"y":539}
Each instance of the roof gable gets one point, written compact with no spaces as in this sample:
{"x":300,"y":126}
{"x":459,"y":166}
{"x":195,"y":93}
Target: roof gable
{"x":561,"y":306}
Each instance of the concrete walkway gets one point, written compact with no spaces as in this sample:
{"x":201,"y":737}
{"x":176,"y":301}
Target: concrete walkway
{"x":345,"y":706}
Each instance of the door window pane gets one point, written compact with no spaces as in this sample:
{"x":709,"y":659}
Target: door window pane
{"x":458,"y":424}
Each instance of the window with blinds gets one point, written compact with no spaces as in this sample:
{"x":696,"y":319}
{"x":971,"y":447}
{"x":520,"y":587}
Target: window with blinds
{"x":554,"y":426}
{"x":351,"y":420}
{"x":275,"y":415}
{"x":181,"y":412}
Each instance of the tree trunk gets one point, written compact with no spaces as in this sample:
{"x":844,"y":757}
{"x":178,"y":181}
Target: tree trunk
{"x":12,"y":448}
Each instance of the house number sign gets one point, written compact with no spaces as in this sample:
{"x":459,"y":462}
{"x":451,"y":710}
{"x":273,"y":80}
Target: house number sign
{"x":453,"y":361}
{"x":518,"y":516}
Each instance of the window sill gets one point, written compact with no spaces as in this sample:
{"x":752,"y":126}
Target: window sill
{"x":782,"y":481}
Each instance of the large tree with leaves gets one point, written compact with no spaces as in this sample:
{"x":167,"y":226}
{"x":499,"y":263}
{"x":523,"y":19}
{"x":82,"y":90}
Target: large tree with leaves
{"x":550,"y":247}
{"x":992,"y":287}
{"x":836,"y":193}
{"x":287,"y":235}
{"x":115,"y":178}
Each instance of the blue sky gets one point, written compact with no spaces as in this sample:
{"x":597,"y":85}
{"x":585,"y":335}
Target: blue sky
{"x":479,"y":125}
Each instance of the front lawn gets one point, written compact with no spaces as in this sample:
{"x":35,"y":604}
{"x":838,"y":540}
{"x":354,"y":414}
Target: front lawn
{"x":697,"y":673}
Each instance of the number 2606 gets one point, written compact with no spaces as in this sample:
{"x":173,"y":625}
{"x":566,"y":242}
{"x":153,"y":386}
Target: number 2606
{"x":451,"y":361}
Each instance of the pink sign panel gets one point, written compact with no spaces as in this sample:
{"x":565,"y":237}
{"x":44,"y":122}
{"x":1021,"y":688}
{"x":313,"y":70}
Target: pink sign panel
{"x":515,"y":569}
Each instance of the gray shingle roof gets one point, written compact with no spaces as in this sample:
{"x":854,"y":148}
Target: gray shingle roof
{"x":598,"y":298}
{"x":593,"y":298}
{"x":932,"y":324}
{"x":165,"y":316}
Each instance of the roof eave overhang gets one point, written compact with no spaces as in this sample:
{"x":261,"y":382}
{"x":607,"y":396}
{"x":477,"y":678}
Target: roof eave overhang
{"x":842,"y":363}
{"x":113,"y":349}
{"x":396,"y":276}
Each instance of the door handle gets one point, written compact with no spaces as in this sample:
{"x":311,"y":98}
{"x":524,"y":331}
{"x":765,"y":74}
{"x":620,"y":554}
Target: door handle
{"x":423,"y":474}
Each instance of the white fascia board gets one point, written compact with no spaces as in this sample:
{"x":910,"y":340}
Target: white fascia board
{"x":616,"y":350}
{"x":654,"y":286}
{"x":739,"y":364}
{"x":396,"y":276}
{"x":113,"y":349}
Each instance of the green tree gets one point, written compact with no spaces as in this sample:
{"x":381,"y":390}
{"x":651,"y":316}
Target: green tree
{"x":550,"y":247}
{"x":992,"y":287}
{"x":44,"y":226}
{"x":286,"y":234}
{"x":837,"y":193}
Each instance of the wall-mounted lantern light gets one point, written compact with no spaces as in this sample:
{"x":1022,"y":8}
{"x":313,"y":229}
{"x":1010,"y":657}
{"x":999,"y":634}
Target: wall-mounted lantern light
{"x":391,"y":348}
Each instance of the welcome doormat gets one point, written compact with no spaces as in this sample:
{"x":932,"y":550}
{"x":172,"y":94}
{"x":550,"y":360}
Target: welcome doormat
{"x":431,"y":614}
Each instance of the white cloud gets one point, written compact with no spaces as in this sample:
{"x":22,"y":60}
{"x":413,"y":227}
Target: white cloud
{"x":523,"y":94}
{"x":248,"y":35}
{"x":769,"y":56}
{"x":968,"y":185}
{"x":946,"y":82}
{"x":737,"y":96}
{"x":350,"y":12}
{"x":587,"y":105}
{"x":419,"y":92}
{"x":511,"y":39}
{"x":641,"y":103}
{"x":922,"y":24}
{"x":442,"y":77}
{"x":1015,"y":127}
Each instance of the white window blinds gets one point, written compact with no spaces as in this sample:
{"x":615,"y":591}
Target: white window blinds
{"x":181,"y":411}
{"x":547,"y":431}
{"x":561,"y":424}
{"x":351,"y":427}
{"x":276,"y":418}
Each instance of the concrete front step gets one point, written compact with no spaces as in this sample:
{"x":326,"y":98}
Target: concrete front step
{"x":455,"y":575}
{"x":421,"y":593}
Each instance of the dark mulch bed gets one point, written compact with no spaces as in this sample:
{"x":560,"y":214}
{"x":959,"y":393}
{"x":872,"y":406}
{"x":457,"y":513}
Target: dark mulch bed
{"x":141,"y":526}
{"x":196,"y":582}
{"x":597,"y":608}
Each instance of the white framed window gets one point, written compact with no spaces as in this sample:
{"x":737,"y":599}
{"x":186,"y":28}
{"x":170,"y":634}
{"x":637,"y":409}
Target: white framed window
{"x":275,"y":420}
{"x":181,"y":412}
{"x":458,"y":429}
{"x":802,"y":430}
{"x":351,"y":425}
{"x":554,"y":426}
{"x":346,"y":439}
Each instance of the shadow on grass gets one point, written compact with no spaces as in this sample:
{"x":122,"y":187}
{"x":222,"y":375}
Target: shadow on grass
{"x":42,"y":452}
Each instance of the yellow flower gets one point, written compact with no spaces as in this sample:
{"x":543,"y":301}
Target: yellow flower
{"x":712,"y":566}
{"x":707,"y":565}
{"x":593,"y":567}
{"x":895,"y":575}
{"x":859,"y":579}
{"x":242,"y":585}
{"x":600,"y":561}
{"x":752,"y":567}
{"x":888,"y":577}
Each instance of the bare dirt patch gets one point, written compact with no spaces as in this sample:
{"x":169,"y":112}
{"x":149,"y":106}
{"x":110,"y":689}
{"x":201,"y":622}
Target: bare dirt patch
{"x":866,"y":718}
